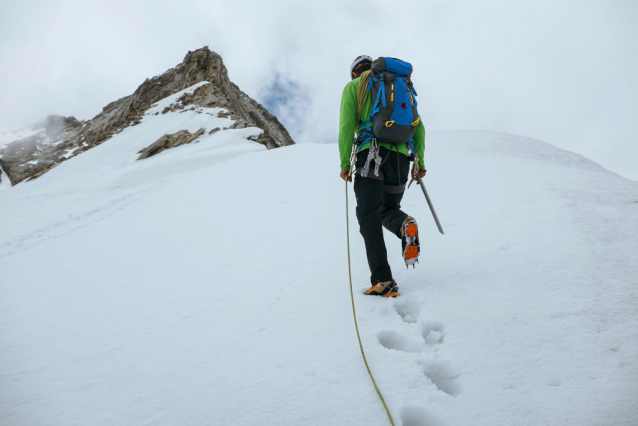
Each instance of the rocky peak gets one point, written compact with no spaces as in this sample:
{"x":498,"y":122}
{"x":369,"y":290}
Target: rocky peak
{"x":57,"y":123}
{"x":64,"y":137}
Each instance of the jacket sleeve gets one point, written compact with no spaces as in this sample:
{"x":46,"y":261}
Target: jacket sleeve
{"x":347,"y":123}
{"x":419,"y":143}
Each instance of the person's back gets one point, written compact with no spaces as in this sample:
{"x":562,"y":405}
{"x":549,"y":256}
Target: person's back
{"x":379,"y":188}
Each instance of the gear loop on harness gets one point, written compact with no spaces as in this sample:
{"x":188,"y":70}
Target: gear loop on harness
{"x":373,"y":155}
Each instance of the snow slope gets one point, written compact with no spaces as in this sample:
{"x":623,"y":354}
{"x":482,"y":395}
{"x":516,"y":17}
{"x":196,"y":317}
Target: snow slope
{"x":208,"y":285}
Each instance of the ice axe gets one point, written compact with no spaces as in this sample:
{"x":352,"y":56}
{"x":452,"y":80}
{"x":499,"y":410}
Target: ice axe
{"x":427,"y":198}
{"x":415,"y":176}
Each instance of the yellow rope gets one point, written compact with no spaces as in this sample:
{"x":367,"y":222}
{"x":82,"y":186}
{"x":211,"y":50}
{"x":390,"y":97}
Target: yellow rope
{"x":354,"y":313}
{"x":362,"y":94}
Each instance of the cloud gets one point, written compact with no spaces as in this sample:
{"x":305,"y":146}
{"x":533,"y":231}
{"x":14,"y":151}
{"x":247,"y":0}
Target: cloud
{"x":288,"y":100}
{"x":564,"y":72}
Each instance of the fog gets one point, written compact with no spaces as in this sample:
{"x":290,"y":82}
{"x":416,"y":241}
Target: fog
{"x":562,"y":72}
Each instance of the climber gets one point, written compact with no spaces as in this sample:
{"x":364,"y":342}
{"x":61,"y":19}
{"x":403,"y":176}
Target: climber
{"x":380,"y":103}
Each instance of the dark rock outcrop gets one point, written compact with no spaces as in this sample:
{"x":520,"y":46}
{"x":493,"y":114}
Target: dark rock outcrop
{"x":173,"y":140}
{"x":63,"y":138}
{"x":35,"y":155}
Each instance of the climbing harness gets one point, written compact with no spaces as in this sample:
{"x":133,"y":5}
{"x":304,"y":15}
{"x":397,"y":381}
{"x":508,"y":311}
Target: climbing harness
{"x":354,"y":313}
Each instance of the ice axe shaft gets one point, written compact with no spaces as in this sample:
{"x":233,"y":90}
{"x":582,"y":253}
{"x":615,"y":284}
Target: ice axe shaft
{"x":427,"y":198}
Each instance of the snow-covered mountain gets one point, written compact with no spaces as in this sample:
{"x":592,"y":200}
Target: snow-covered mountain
{"x":207,"y":284}
{"x":31,"y":153}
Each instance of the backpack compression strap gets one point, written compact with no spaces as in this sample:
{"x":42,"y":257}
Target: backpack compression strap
{"x":367,"y":132}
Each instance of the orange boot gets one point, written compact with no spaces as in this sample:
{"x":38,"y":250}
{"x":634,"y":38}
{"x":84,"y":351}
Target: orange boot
{"x":385,"y":289}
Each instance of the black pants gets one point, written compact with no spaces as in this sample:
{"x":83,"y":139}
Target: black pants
{"x":379,"y":204}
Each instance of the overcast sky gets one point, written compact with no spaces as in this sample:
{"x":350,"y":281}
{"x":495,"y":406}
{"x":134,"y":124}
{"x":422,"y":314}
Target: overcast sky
{"x":565,"y":72}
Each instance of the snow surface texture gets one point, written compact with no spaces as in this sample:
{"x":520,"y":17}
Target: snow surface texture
{"x":208,"y":285}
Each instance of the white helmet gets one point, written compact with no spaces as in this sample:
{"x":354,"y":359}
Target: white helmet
{"x":357,"y":61}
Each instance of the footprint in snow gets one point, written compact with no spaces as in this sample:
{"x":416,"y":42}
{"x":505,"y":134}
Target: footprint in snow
{"x":443,"y":375}
{"x":390,"y":339}
{"x":412,"y":415}
{"x":408,"y":308}
{"x":440,"y":372}
{"x":432,"y":331}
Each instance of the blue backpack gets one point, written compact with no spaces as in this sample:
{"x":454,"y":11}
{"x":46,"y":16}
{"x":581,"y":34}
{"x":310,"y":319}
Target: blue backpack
{"x":394,"y":116}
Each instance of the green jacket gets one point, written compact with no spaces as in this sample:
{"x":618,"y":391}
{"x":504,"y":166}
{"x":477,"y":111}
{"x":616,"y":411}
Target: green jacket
{"x":347,"y":124}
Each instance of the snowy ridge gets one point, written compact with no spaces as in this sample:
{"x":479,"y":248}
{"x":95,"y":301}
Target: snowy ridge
{"x":202,"y":70}
{"x":208,"y":285}
{"x":174,"y":98}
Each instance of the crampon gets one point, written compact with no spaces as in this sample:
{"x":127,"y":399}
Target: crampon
{"x":410,"y":242}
